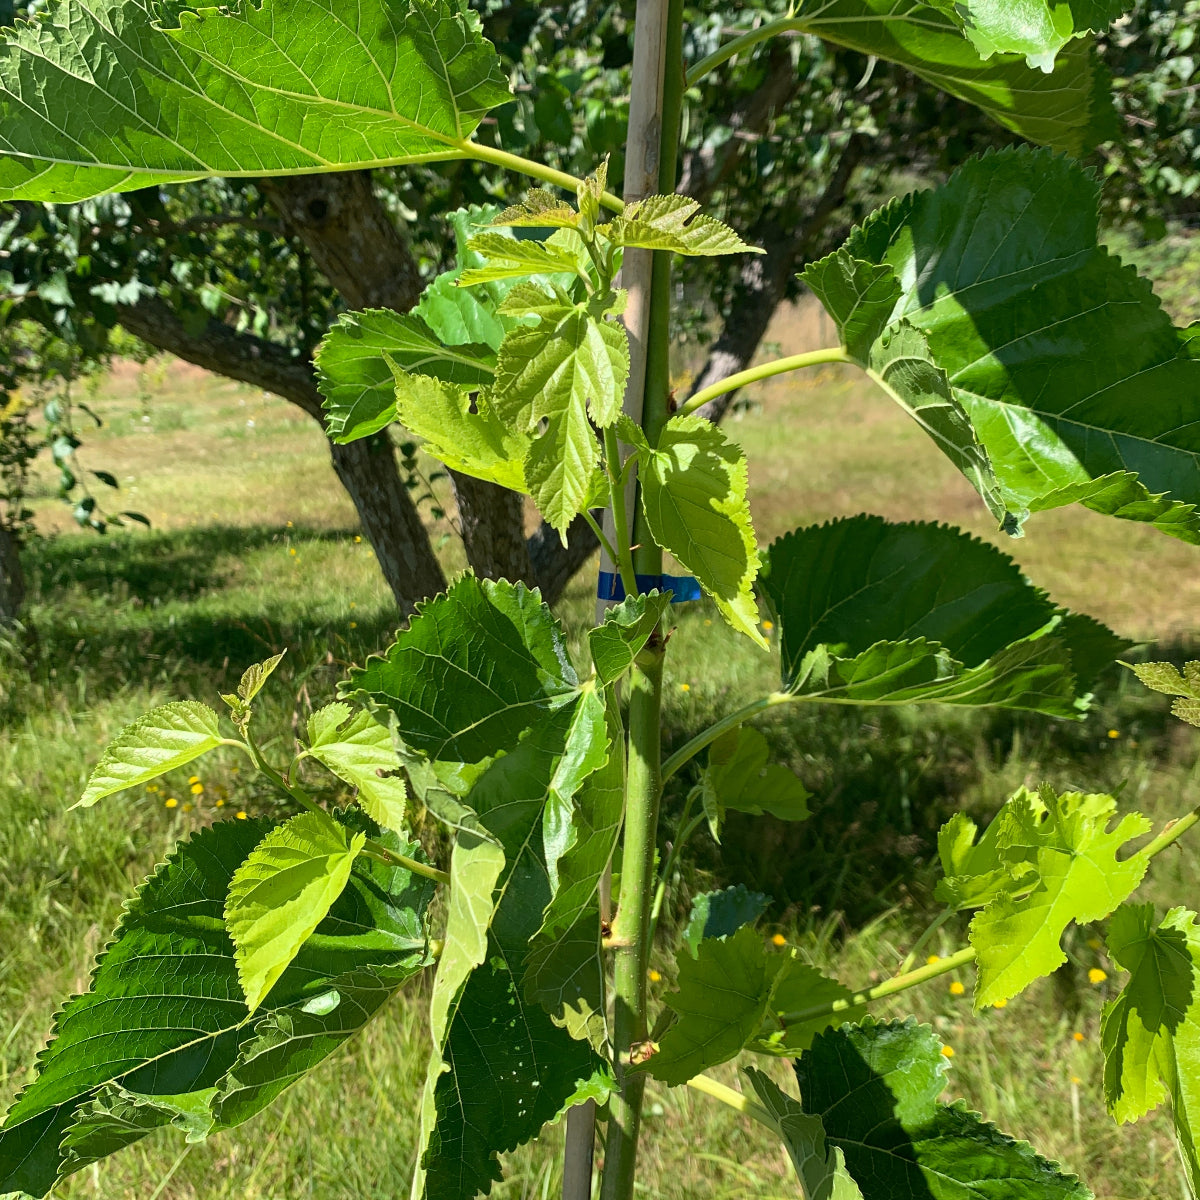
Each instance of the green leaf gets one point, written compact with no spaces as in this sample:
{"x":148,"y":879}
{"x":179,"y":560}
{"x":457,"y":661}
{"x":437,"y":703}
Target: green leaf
{"x":359,"y":750}
{"x":674,"y":223}
{"x":875,"y":613}
{"x":253,"y":677}
{"x":540,"y":209}
{"x":1037,"y":29}
{"x":507,"y":257}
{"x":861,"y":298}
{"x":476,"y":668}
{"x":1013,"y":317}
{"x":875,"y":1088}
{"x":99,"y":97}
{"x":623,"y":633}
{"x":1069,"y":845}
{"x":1151,"y":1031}
{"x":356,"y":376}
{"x":739,"y":777}
{"x":165,"y":738}
{"x":1068,"y":109}
{"x":802,"y":989}
{"x":719,"y":914}
{"x":977,"y":871}
{"x":463,"y":433}
{"x":561,"y":467}
{"x":694,"y":496}
{"x":821,"y":1168}
{"x":162,"y":1032}
{"x":282,"y":892}
{"x":1163,"y":677}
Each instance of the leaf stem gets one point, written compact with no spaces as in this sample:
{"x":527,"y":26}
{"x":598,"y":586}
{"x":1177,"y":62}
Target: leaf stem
{"x":889,"y":987}
{"x":686,"y":829}
{"x":744,"y":41}
{"x":924,"y":939}
{"x":777,"y":366}
{"x":598,"y":530}
{"x":535,"y":170}
{"x":380,"y":853}
{"x":689,"y":751}
{"x":727,"y":1095}
{"x":1172,"y":831}
{"x":623,"y":558}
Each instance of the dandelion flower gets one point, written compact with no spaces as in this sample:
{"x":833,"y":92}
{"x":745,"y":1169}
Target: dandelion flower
{"x":353,"y":624}
{"x":241,"y":816}
{"x":197,"y":789}
{"x":779,"y":940}
{"x":1000,"y":1004}
{"x":1076,"y":1080}
{"x":768,"y":625}
{"x":1114,"y":734}
{"x":220,"y":803}
{"x":947,"y":1051}
{"x":933,"y":958}
{"x":292,"y":551}
{"x":685,"y":687}
{"x":170,"y":802}
{"x":653,"y":975}
{"x":357,"y":539}
{"x":1096,"y":975}
{"x":957,"y":988}
{"x":289,"y":524}
{"x":1077,"y":1036}
{"x":193,"y":779}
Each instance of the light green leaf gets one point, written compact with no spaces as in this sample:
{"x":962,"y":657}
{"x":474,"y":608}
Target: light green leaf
{"x":1013,"y":317}
{"x":976,"y":870}
{"x":540,"y":209}
{"x":875,"y":613}
{"x":694,"y":497}
{"x":861,"y":297}
{"x":98,"y":97}
{"x":255,"y":676}
{"x":625,"y":630}
{"x":282,"y":892}
{"x":739,"y":777}
{"x":356,"y":375}
{"x":1038,"y":29}
{"x":165,"y":738}
{"x":462,"y":432}
{"x":718,"y":914}
{"x":359,"y":750}
{"x":561,"y":466}
{"x":162,"y":1033}
{"x":1067,"y":842}
{"x":1068,"y":109}
{"x":674,"y":223}
{"x":507,"y":257}
{"x":875,"y":1088}
{"x":1151,"y":1031}
{"x":821,"y":1168}
{"x":801,"y":989}
{"x":1163,"y":677}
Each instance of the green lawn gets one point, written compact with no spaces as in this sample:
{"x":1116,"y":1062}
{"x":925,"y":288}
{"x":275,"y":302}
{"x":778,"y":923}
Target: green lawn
{"x":255,"y":548}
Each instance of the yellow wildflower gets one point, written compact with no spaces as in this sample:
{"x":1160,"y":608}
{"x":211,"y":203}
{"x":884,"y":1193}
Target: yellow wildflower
{"x":1076,"y":1080}
{"x":357,"y":539}
{"x":220,"y":803}
{"x":241,"y":816}
{"x":1114,"y":734}
{"x":292,"y":551}
{"x":289,"y":524}
{"x":197,"y":789}
{"x":957,"y":988}
{"x":353,"y":624}
{"x":1094,"y":943}
{"x":187,"y":806}
{"x":933,"y":958}
{"x":653,"y":975}
{"x":947,"y":1051}
{"x":778,"y":940}
{"x":1077,"y":1036}
{"x":768,"y":625}
{"x":685,"y":687}
{"x":193,"y":779}
{"x":1096,"y":975}
{"x":171,"y":802}
{"x":1000,"y":1004}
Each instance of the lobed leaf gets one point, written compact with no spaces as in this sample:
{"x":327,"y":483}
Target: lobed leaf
{"x":626,"y":628}
{"x":255,"y":676}
{"x":875,"y":613}
{"x":165,"y":738}
{"x":675,"y":224}
{"x":739,"y":776}
{"x":506,"y":257}
{"x":719,"y":914}
{"x":875,"y":1089}
{"x":359,"y":750}
{"x":282,"y":892}
{"x":97,"y":96}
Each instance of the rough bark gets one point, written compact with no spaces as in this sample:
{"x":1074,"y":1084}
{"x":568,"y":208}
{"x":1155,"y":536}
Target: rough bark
{"x":12,"y":578}
{"x":358,"y":248}
{"x":554,"y":565}
{"x":367,"y":468}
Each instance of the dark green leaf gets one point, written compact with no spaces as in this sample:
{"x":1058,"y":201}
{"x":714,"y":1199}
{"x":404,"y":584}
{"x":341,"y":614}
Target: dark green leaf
{"x":625,"y":630}
{"x":719,"y":914}
{"x":739,"y":777}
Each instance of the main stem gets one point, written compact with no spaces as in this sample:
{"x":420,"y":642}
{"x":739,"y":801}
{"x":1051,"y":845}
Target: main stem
{"x":631,"y":925}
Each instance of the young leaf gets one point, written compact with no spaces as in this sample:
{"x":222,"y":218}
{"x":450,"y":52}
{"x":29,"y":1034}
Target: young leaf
{"x":161,"y":1035}
{"x":1012,"y":318}
{"x":282,"y":892}
{"x":1163,"y":677}
{"x":674,"y":223}
{"x":1151,"y":1031}
{"x":515,"y":258}
{"x":739,"y":777}
{"x":357,"y":378}
{"x":977,"y":870}
{"x":235,"y":92}
{"x":1067,"y":843}
{"x":541,"y":210}
{"x":466,"y":435}
{"x":694,"y":496}
{"x":821,"y":1167}
{"x":1068,"y":109}
{"x":561,"y":468}
{"x":165,"y":738}
{"x":875,"y":613}
{"x":719,"y":914}
{"x":359,"y":750}
{"x":875,"y":1088}
{"x":625,"y":630}
{"x":253,"y":677}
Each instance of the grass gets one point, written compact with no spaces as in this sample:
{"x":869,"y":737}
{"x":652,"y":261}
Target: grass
{"x":255,"y":547}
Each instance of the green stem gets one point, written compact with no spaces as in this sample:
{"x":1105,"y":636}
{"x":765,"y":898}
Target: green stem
{"x":778,"y":366}
{"x":380,"y":853}
{"x":623,"y":558}
{"x":631,"y":925}
{"x":686,"y":829}
{"x":924,"y":939}
{"x":889,"y":987}
{"x":735,"y":1099}
{"x":536,"y":170}
{"x":1172,"y":831}
{"x":686,"y":753}
{"x":598,"y":530}
{"x":744,"y":41}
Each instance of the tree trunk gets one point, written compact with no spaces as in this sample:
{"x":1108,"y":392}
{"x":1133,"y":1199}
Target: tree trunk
{"x":493,"y":529}
{"x":12,"y":578}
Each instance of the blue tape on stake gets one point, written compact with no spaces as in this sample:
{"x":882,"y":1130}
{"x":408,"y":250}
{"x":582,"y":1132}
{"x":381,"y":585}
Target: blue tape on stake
{"x":682,"y":587}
